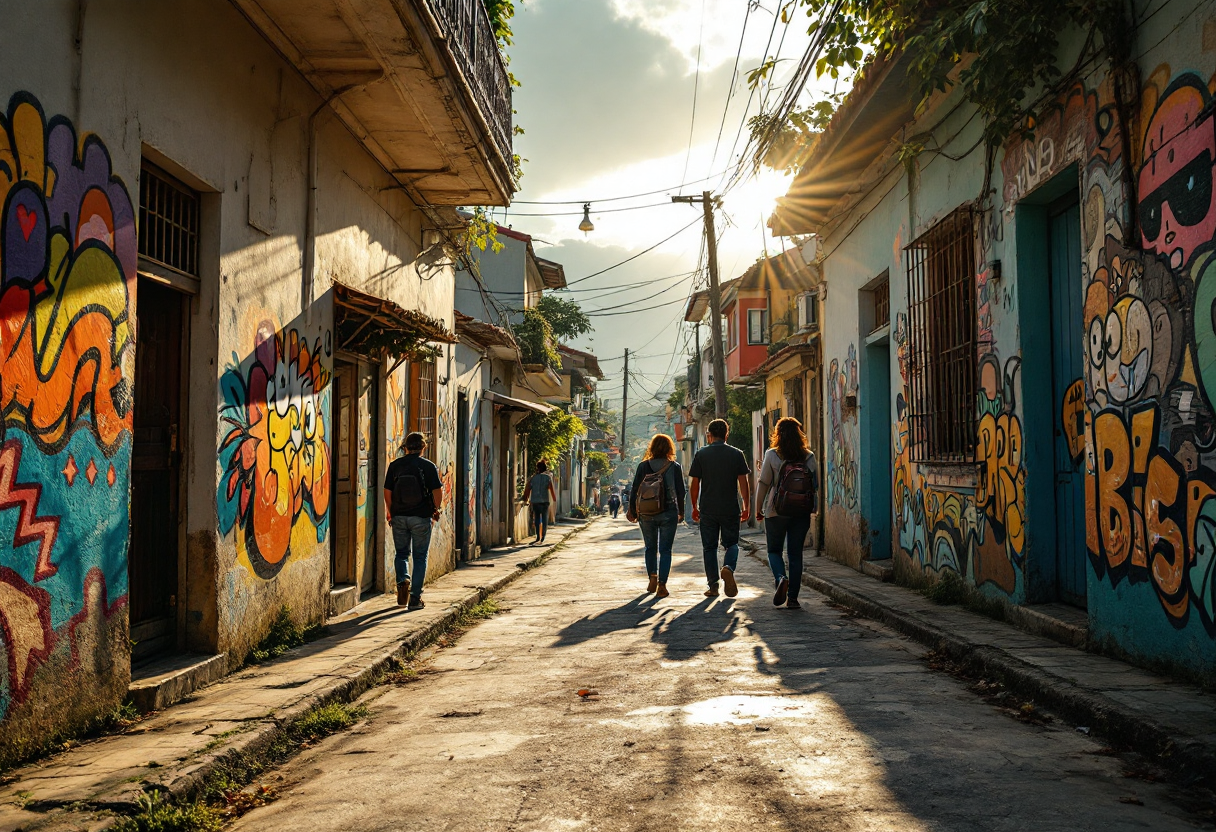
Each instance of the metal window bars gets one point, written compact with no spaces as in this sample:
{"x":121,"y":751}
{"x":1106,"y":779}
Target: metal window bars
{"x":941,"y":341}
{"x":426,"y":407}
{"x":168,"y":220}
{"x":882,"y":305}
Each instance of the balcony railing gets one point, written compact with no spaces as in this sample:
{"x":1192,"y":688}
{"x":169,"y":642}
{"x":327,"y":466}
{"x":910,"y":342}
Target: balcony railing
{"x":470,"y":35}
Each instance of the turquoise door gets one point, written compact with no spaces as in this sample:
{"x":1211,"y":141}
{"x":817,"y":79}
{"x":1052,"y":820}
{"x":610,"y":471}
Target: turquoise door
{"x":1068,"y":396}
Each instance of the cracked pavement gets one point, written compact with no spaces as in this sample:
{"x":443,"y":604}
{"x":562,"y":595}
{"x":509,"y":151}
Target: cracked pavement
{"x":708,"y":713}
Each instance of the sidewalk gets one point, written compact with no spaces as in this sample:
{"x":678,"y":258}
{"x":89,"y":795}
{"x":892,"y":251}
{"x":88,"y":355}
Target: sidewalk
{"x":1171,"y":722}
{"x":174,"y":750}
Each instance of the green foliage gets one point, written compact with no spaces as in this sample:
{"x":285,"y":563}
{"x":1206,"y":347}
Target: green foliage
{"x":565,"y":317}
{"x":597,"y":464}
{"x":948,"y":589}
{"x":741,"y":401}
{"x":284,"y":634}
{"x":1012,"y":46}
{"x":325,"y":720}
{"x":534,"y":335}
{"x":480,"y":232}
{"x":501,"y":12}
{"x":549,"y":435}
{"x":156,"y":814}
{"x":676,"y":399}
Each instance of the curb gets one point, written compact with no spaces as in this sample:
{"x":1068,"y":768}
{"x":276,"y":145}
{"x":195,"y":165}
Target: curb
{"x":1193,"y":760}
{"x":349,"y":682}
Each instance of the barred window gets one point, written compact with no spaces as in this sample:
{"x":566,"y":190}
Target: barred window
{"x":168,"y":220}
{"x":882,"y":304}
{"x":941,"y":341}
{"x":422,"y":405}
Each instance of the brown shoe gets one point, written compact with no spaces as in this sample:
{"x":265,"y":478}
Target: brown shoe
{"x":792,"y":604}
{"x":417,"y":603}
{"x":728,"y":582}
{"x":654,"y":582}
{"x":783,"y":587}
{"x":662,"y":592}
{"x":403,"y":593}
{"x":712,"y":592}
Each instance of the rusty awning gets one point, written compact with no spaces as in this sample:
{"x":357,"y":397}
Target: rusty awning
{"x":366,"y":324}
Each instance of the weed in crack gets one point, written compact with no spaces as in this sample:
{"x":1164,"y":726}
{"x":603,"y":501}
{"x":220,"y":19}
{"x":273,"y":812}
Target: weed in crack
{"x":156,"y":814}
{"x":284,"y":634}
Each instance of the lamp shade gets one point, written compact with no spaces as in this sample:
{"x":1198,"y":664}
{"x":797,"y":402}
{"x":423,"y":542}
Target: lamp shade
{"x":586,"y":225}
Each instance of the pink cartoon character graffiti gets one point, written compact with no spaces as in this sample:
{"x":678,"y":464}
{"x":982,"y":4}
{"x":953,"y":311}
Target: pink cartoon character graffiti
{"x":1176,"y":214}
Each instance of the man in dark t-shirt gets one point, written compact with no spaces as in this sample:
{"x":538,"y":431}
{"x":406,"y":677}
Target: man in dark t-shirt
{"x":413,"y":493}
{"x":717,"y":479}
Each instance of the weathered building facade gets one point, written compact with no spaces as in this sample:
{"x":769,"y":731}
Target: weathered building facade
{"x":1019,"y":385}
{"x":218,"y":221}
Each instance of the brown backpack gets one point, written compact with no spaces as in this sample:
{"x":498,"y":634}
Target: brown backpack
{"x":652,"y":493}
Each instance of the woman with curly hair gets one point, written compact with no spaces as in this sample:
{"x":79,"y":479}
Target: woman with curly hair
{"x":787,"y":528}
{"x":659,"y":529}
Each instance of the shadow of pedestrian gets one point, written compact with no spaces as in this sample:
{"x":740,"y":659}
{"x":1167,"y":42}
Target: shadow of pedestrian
{"x":697,"y":629}
{"x":625,"y":617}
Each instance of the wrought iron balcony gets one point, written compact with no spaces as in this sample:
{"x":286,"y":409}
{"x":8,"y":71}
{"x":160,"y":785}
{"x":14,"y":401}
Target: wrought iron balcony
{"x":470,"y":36}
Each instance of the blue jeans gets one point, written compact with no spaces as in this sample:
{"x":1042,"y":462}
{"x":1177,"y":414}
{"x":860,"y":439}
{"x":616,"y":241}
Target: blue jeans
{"x":659,"y":533}
{"x":540,"y":518}
{"x":715,"y":528}
{"x":415,"y":533}
{"x":782,"y":533}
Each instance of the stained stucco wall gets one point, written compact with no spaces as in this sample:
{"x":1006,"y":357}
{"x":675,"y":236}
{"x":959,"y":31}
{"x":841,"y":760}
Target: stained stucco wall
{"x":192,"y":87}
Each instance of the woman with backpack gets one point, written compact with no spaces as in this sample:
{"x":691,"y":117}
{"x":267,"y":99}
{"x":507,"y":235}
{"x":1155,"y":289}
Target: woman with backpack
{"x":787,"y":493}
{"x":656,"y":504}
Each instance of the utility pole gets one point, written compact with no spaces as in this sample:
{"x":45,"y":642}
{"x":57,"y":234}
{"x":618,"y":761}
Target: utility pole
{"x":624,"y":404}
{"x":715,"y":299}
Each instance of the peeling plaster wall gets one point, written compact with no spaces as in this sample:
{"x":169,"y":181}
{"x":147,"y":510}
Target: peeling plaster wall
{"x":193,"y":87}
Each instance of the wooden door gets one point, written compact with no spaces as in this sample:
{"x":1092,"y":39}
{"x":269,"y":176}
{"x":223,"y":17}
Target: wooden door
{"x":342,"y":567}
{"x":155,"y":469}
{"x":369,"y":500}
{"x":1067,"y":351}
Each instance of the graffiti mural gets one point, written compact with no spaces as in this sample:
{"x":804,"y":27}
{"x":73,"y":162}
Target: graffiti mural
{"x":1141,"y":418}
{"x":842,"y":458}
{"x":67,"y":280}
{"x":274,"y":454}
{"x":975,"y":531}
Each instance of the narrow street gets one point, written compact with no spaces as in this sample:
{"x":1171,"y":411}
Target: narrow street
{"x":710,"y":714}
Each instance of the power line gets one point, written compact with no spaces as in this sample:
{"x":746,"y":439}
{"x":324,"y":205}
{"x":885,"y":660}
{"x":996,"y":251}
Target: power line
{"x":734,"y":77}
{"x":632,"y":311}
{"x":620,"y":198}
{"x":635,"y":256}
{"x":636,"y":301}
{"x":602,"y":211}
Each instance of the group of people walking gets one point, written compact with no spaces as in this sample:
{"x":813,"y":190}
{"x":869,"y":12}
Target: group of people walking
{"x":786,"y":496}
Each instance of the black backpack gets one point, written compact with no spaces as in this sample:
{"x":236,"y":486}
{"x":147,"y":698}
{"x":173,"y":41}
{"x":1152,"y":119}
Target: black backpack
{"x":795,"y":490}
{"x":409,"y":494}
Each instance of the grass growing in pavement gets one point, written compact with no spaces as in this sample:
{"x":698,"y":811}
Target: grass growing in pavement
{"x":159,"y":815}
{"x":284,"y":634}
{"x":20,"y":751}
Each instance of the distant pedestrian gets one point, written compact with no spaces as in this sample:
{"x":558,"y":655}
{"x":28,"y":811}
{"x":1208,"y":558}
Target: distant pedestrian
{"x":614,"y":504}
{"x":656,"y":503}
{"x":413,"y":494}
{"x":787,"y":494}
{"x":718,"y":477}
{"x":537,"y":494}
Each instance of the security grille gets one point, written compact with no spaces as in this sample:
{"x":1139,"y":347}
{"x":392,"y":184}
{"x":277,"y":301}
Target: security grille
{"x":426,"y":407}
{"x":168,"y":221}
{"x":941,"y":341}
{"x":882,"y":304}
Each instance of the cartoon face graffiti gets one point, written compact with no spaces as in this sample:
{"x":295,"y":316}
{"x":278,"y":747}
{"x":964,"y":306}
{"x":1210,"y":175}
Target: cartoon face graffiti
{"x":275,"y":456}
{"x":1176,"y":210}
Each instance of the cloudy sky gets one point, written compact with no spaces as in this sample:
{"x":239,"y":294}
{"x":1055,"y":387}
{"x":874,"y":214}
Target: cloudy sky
{"x":607,"y":104}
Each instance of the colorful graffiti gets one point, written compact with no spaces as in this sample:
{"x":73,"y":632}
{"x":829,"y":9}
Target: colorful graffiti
{"x":275,"y":457}
{"x":977,"y":531}
{"x":842,"y":458}
{"x":1142,"y":416}
{"x":67,"y":279}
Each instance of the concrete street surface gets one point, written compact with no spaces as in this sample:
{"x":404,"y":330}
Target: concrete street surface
{"x":708,"y":714}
